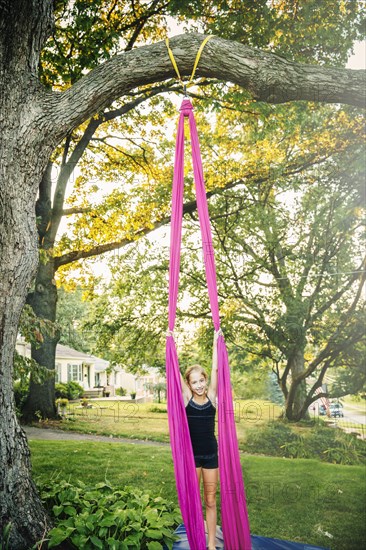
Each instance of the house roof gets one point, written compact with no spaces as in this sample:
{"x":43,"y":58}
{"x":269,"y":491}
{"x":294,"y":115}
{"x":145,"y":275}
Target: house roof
{"x":65,"y":352}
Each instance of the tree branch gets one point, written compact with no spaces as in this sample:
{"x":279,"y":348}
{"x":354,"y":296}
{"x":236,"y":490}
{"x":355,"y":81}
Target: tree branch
{"x":267,"y":76}
{"x":331,"y":350}
{"x":75,"y":210}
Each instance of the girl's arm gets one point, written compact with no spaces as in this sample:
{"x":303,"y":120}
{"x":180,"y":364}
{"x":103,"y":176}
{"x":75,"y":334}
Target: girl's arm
{"x":212,"y":390}
{"x":187,"y":394}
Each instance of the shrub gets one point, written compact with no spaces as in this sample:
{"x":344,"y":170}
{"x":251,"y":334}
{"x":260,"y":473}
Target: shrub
{"x":74,"y":390}
{"x":155,"y":409}
{"x":62,"y":402}
{"x":70,"y":390}
{"x":61,"y":390}
{"x":121,"y":391}
{"x":319,"y":439}
{"x":20,"y":393}
{"x":271,"y":439}
{"x":325,"y":443}
{"x":105,"y":517}
{"x":296,"y":448}
{"x":339,"y":447}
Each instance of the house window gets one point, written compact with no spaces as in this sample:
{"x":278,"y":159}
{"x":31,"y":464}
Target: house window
{"x":58,"y":373}
{"x":97,"y":379}
{"x":74,"y":373}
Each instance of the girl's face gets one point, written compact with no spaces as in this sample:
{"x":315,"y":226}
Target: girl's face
{"x":197,"y":383}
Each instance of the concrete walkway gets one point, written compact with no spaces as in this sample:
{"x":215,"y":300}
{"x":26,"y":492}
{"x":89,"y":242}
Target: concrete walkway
{"x":48,"y":434}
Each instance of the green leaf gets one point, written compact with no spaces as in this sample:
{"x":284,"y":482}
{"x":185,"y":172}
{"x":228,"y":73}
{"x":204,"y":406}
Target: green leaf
{"x":154,"y":545}
{"x":108,"y":521}
{"x":58,"y":535}
{"x":57,"y":510}
{"x":97,"y":542}
{"x":70,"y":511}
{"x":153,"y":533}
{"x":113,"y":544}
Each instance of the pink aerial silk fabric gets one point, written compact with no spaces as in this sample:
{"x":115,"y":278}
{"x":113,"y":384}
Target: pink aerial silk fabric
{"x":235,"y":524}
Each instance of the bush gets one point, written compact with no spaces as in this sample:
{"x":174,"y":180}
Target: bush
{"x":321,"y":438}
{"x":62,"y":403}
{"x":334,"y":445}
{"x":20,"y":394}
{"x":105,"y":517}
{"x":61,"y":391}
{"x":71,"y":390}
{"x":155,"y":409}
{"x":325,"y":443}
{"x":270,"y":439}
{"x":74,"y":390}
{"x":121,"y":391}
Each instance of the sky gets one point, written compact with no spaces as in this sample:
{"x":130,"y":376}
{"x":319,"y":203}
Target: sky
{"x":358,"y":59}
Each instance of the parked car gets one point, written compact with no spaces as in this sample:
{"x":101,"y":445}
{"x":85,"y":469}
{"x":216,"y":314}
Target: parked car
{"x":322,"y":410}
{"x":336,"y":410}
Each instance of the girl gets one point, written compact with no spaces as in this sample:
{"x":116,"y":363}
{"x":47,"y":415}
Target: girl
{"x":200,"y":401}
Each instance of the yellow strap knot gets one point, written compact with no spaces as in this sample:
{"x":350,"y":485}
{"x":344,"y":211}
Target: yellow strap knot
{"x":198,"y":56}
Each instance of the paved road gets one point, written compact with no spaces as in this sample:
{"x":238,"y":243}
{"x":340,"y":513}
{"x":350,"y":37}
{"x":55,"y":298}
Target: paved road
{"x":354,"y":415}
{"x":52,"y":434}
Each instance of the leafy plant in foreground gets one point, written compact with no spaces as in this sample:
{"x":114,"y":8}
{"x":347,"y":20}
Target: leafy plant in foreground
{"x":108,"y":517}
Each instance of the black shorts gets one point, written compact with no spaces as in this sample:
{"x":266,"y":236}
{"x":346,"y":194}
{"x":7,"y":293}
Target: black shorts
{"x":207,"y":461}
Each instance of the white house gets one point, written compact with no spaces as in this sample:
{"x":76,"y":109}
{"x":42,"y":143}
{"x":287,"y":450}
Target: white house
{"x":92,"y":372}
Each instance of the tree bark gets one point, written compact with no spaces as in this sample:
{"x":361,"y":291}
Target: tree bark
{"x":19,"y":502}
{"x":40,"y":400}
{"x":33,"y":120}
{"x":295,"y":399}
{"x":23,"y":157}
{"x":41,"y":396}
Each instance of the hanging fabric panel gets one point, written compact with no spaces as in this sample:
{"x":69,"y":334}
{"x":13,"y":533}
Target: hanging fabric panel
{"x":184,"y":465}
{"x":235,"y":524}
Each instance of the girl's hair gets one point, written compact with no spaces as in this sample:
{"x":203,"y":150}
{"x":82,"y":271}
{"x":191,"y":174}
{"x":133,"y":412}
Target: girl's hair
{"x":193,"y":368}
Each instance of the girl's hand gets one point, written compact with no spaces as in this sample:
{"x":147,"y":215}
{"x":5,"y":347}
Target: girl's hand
{"x":217,"y":333}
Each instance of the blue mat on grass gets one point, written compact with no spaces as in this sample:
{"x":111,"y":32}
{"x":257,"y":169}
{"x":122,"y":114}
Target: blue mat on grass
{"x":258,"y":543}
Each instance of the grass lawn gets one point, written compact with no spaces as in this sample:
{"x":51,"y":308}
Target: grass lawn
{"x":136,"y":420}
{"x":299,"y":500}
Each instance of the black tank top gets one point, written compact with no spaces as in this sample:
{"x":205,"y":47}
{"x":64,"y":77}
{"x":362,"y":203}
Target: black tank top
{"x":201,"y":422}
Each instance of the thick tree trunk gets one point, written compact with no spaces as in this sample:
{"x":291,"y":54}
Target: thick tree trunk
{"x":19,"y":502}
{"x":23,"y":158}
{"x":296,"y":396}
{"x":41,"y":396}
{"x":43,"y":300}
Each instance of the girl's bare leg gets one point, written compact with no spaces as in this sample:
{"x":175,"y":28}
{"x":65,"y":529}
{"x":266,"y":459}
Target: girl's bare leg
{"x":210,"y":478}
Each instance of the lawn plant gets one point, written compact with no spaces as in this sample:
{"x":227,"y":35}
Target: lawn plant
{"x":102,"y":516}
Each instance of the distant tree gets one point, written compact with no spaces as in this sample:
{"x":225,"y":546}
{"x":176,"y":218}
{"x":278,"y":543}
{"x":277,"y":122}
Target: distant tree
{"x":158,"y":389}
{"x":72,"y":309}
